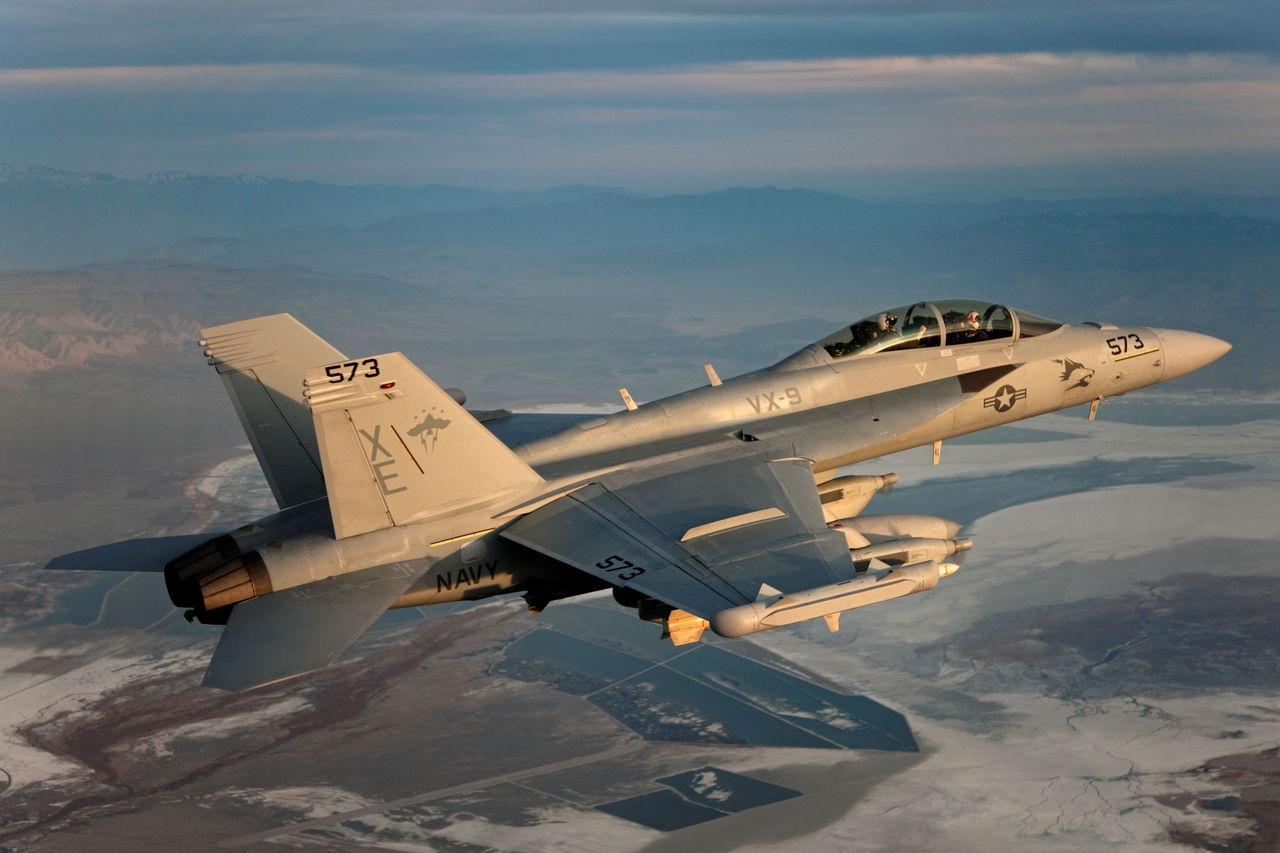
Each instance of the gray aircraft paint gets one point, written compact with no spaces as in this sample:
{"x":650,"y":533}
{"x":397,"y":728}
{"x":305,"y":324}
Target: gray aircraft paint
{"x":812,"y":380}
{"x":464,"y":517}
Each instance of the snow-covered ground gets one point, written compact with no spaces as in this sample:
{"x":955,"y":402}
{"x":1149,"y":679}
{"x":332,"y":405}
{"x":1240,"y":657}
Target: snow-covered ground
{"x":1011,"y":759}
{"x":1030,"y":768}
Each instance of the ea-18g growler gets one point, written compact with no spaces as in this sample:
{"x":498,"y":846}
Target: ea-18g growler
{"x":722,"y":507}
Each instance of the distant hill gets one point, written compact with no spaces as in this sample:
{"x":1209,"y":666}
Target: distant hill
{"x":54,"y":218}
{"x":71,"y":331}
{"x":545,"y":324}
{"x":614,"y":221}
{"x":603,"y":220}
{"x":569,"y":293}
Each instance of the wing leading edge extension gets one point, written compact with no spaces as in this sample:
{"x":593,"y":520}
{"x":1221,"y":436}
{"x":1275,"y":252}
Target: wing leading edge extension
{"x":699,"y":531}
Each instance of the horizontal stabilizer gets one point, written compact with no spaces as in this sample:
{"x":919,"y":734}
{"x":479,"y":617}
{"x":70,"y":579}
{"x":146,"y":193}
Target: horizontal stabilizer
{"x":131,"y":555}
{"x":304,"y":628}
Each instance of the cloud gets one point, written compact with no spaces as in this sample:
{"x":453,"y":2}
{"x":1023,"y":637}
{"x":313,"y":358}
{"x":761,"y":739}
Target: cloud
{"x":756,"y":91}
{"x":876,"y":74}
{"x":327,"y":134}
{"x":526,"y":37}
{"x":210,"y":77}
{"x":985,"y":72}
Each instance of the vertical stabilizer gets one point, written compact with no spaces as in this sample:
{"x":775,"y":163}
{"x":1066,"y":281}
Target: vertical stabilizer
{"x":262,"y":362}
{"x":395,"y":446}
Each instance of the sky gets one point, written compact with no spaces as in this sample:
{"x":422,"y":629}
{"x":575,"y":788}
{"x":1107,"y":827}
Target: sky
{"x":884,"y":98}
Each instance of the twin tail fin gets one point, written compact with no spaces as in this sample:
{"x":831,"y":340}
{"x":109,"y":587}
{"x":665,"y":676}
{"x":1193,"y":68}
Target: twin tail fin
{"x":395,"y":446}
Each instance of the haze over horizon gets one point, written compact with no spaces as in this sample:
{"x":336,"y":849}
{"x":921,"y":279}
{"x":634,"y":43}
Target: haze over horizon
{"x":424,"y":177}
{"x":916,"y":100}
{"x":546,"y":193}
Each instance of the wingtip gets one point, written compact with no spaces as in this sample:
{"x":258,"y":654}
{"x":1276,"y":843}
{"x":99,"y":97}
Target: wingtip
{"x":231,"y":683}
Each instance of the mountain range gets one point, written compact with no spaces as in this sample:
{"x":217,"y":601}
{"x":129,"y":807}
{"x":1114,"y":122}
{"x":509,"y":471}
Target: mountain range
{"x":568,"y":293}
{"x":53,"y":217}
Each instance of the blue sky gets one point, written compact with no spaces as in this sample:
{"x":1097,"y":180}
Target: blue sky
{"x":910,"y":98}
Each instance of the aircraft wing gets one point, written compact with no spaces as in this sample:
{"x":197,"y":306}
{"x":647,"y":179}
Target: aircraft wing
{"x":700,"y":530}
{"x":303,"y":628}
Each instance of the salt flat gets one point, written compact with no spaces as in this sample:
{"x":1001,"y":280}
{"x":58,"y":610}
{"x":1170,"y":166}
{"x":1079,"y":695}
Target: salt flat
{"x":1101,"y":672}
{"x":1035,"y":739}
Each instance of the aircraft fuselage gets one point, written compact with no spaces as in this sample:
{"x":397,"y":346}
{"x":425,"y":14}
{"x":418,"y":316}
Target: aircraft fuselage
{"x":692,"y":507}
{"x":835,"y":412}
{"x":839,"y":412}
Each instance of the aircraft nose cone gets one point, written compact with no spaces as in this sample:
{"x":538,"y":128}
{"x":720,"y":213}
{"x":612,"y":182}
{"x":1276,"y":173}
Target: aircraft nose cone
{"x":1188,"y":351}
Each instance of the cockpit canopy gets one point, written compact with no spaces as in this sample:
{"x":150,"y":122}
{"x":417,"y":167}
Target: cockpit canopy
{"x":933,"y":324}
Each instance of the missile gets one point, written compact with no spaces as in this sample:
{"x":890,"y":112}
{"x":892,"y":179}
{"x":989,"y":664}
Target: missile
{"x":848,"y":496}
{"x":899,"y":525}
{"x":828,"y":601}
{"x":900,"y":539}
{"x":906,"y":552}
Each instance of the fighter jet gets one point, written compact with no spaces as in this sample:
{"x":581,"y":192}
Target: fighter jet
{"x":722,"y":507}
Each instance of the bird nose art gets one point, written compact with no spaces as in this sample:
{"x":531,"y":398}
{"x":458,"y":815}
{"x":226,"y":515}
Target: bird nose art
{"x":1188,"y":351}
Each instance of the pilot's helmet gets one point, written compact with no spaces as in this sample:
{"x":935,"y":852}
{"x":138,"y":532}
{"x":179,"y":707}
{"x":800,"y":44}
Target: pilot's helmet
{"x":886,"y":321}
{"x":973,"y":320}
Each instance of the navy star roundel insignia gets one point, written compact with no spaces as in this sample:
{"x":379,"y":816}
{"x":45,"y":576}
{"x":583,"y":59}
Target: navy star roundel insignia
{"x":1004,"y":398}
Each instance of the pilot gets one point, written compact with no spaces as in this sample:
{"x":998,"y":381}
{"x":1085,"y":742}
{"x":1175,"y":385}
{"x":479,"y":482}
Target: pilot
{"x":971,"y":329}
{"x":838,"y":348}
{"x":867,"y":332}
{"x":883,"y":324}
